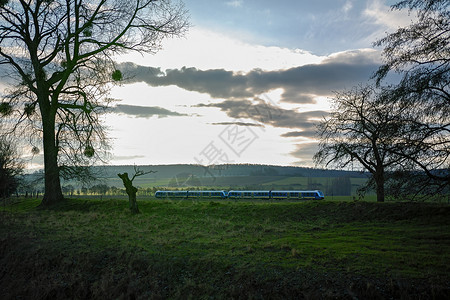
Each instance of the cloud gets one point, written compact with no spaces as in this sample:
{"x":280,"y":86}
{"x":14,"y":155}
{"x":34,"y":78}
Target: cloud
{"x":347,"y":6}
{"x":267,"y":113}
{"x":304,"y":152}
{"x":383,"y":15}
{"x":239,"y":124}
{"x":234,"y":3}
{"x":206,"y":48}
{"x":304,"y":133}
{"x":143,"y":111}
{"x":300,"y":84}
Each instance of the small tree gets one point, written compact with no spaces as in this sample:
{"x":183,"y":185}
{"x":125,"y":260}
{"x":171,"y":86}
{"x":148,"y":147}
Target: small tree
{"x":361,"y":132}
{"x":132,"y":190}
{"x":11,"y":167}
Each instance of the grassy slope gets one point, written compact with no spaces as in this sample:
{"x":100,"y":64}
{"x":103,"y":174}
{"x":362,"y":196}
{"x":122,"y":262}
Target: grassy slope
{"x":178,"y":249}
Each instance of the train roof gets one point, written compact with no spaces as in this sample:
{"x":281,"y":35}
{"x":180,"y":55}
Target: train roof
{"x":277,"y":191}
{"x":190,"y":191}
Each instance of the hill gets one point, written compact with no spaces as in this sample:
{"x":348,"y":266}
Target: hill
{"x":170,"y":171}
{"x":241,"y":176}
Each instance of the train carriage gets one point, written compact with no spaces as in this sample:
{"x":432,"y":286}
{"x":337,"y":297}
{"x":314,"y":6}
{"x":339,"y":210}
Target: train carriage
{"x":276,"y":195}
{"x":249,"y":194}
{"x":191,"y":194}
{"x":171,"y":194}
{"x":207,"y":194}
{"x":316,"y":195}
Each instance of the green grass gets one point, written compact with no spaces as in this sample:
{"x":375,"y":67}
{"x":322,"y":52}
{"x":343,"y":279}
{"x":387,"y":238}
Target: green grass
{"x":228,"y":249}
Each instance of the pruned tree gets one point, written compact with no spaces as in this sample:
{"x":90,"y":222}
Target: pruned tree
{"x":130,"y":189}
{"x":420,"y":53}
{"x":59,"y":56}
{"x":361,"y":133}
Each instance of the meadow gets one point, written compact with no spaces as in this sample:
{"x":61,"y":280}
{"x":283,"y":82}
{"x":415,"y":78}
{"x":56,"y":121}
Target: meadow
{"x":91,"y":248}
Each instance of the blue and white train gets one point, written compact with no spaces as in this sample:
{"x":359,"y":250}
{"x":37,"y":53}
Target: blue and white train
{"x":191,"y":194}
{"x":275,"y":195}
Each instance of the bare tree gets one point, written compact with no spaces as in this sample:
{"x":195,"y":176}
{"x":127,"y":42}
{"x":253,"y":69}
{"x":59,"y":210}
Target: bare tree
{"x":130,"y":189}
{"x":59,"y":55}
{"x":11,"y":167}
{"x":361,"y":133}
{"x":420,"y":53}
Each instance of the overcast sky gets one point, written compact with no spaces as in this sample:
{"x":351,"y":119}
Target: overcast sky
{"x":248,"y":83}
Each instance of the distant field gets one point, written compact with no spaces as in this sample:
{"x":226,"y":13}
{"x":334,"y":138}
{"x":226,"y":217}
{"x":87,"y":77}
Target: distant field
{"x":344,"y":249}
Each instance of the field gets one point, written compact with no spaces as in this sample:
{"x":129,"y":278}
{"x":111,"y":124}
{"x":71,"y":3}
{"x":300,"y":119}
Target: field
{"x":88,"y":248}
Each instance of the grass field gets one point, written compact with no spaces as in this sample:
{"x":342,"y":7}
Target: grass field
{"x":87,"y":248}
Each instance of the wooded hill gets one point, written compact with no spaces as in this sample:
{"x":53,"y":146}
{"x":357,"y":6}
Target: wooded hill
{"x":169,"y":171}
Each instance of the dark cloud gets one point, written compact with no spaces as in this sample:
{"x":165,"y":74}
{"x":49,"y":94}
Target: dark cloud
{"x":305,"y":152}
{"x":267,"y":114}
{"x":300,"y":84}
{"x":304,"y":133}
{"x":239,"y":124}
{"x":143,"y":111}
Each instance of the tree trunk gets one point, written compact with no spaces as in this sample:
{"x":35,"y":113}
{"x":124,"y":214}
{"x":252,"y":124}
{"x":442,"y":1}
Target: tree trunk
{"x":379,"y":182}
{"x":53,"y":193}
{"x":131,"y":191}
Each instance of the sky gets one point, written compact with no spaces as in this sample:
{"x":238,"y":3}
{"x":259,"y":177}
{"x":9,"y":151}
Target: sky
{"x":248,"y":83}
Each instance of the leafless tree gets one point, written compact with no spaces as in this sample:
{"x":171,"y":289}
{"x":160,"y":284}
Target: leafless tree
{"x":362,"y":133}
{"x":420,"y":53}
{"x":11,"y":167}
{"x":59,"y":58}
{"x":130,"y":189}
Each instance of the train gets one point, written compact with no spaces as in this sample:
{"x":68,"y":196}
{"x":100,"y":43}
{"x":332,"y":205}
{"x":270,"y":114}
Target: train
{"x":275,"y":195}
